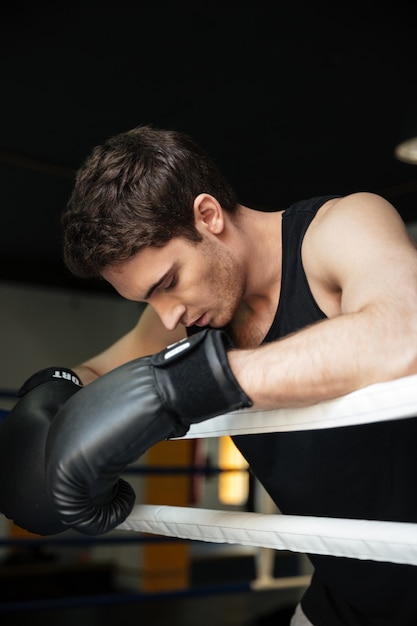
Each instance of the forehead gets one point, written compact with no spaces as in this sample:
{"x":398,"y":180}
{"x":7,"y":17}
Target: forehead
{"x":133,"y":278}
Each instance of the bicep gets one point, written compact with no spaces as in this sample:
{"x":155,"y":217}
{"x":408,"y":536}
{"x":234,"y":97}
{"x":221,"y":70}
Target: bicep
{"x":362,"y":250}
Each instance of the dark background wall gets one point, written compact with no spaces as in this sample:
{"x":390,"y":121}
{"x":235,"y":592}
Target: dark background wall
{"x":293,"y":99}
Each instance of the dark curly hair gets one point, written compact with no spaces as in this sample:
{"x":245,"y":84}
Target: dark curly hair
{"x":134,"y":191}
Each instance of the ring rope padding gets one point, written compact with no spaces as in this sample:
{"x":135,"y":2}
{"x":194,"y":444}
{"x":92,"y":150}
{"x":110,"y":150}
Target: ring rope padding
{"x":393,"y":542}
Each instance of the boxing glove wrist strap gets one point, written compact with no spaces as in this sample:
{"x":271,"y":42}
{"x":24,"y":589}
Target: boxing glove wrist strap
{"x":194,"y":377}
{"x":47,"y":375}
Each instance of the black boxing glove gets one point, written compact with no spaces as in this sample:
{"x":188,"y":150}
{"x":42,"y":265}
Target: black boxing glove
{"x":23,"y":494}
{"x":116,"y":418}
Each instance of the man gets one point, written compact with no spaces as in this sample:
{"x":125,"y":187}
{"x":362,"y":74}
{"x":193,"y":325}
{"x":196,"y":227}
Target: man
{"x":319,"y":299}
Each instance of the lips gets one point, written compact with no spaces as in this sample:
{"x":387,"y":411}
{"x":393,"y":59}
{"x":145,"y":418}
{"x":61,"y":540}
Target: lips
{"x":201,"y":321}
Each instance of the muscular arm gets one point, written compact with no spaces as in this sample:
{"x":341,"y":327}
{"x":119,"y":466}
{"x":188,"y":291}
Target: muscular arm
{"x":147,"y":337}
{"x":360,"y":255}
{"x":362,"y":269}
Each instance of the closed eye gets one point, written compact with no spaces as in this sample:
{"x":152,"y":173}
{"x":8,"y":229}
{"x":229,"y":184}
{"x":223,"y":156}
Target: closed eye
{"x":169,"y":284}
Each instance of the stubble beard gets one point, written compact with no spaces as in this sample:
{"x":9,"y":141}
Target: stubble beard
{"x":226,"y":282}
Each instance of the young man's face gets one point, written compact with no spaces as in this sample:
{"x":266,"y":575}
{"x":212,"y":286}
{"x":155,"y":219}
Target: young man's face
{"x":185,"y":283}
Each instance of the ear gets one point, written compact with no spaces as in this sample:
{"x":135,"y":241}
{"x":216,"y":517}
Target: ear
{"x":208,"y":214}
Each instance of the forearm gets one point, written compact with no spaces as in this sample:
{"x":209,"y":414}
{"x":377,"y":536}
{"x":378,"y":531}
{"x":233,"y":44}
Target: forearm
{"x":86,"y":374}
{"x":148,"y":337}
{"x":326,"y":360}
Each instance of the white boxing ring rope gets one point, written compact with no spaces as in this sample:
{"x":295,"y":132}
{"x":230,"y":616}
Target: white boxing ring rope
{"x":382,"y":541}
{"x":396,"y":399}
{"x":361,"y":539}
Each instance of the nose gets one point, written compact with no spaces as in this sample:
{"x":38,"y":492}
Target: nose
{"x":169,"y":312}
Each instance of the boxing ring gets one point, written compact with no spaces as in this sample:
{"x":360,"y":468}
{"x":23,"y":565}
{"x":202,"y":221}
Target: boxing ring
{"x":360,"y":539}
{"x":382,"y":541}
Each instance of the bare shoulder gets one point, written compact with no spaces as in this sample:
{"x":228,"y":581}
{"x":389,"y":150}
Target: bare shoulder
{"x":359,"y":211}
{"x":356,"y":238}
{"x":358,"y":222}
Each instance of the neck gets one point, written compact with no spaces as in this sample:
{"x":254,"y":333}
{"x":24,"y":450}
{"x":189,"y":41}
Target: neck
{"x":263,"y":250}
{"x":260,"y":235}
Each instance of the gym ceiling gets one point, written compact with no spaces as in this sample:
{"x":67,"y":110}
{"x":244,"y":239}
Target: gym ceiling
{"x":293,"y":99}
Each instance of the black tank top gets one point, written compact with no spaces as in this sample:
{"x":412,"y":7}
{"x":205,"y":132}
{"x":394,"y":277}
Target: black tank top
{"x":367,"y":471}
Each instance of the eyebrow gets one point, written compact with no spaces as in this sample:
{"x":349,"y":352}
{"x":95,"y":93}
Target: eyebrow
{"x":157,"y":284}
